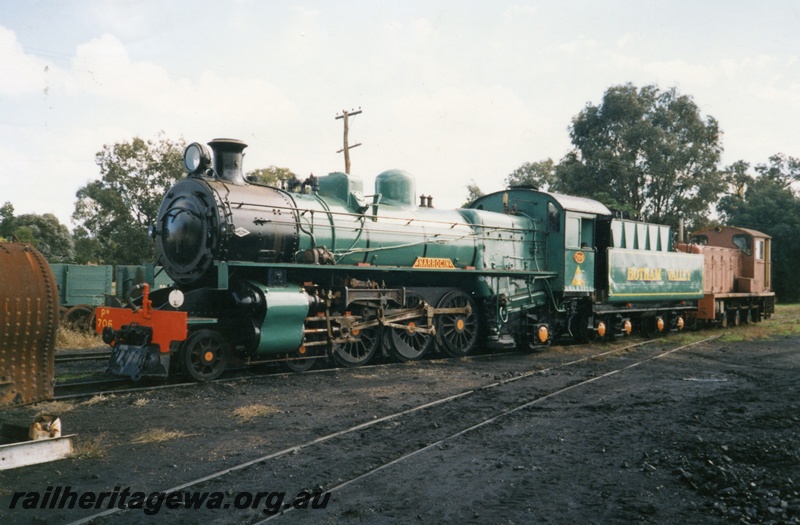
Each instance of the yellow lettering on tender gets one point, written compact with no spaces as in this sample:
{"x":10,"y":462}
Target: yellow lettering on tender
{"x":644,"y":274}
{"x":679,"y":275}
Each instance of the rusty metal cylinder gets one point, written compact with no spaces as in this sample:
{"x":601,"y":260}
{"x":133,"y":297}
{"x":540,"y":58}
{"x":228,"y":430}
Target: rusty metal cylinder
{"x":28,"y":325}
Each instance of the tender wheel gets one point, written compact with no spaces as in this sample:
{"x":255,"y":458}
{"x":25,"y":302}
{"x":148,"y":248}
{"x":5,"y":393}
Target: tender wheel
{"x":649,"y":326}
{"x":527,"y":339}
{"x":204,"y":355}
{"x":457,"y":333}
{"x":408,"y":344}
{"x":737,"y":317}
{"x":360,"y":351}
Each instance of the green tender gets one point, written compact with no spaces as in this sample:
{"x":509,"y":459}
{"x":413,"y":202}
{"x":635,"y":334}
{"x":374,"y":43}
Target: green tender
{"x":636,"y":275}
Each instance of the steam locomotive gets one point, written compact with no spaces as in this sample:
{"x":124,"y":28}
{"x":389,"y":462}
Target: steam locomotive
{"x":263,"y":273}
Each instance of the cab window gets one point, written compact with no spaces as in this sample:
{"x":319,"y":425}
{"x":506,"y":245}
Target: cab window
{"x":579,"y":232}
{"x":572,"y":235}
{"x":744,"y":243}
{"x":553,"y":218}
{"x":587,"y":233}
{"x":760,"y":250}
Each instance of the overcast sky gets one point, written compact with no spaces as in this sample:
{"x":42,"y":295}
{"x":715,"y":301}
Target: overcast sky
{"x":451,"y":91}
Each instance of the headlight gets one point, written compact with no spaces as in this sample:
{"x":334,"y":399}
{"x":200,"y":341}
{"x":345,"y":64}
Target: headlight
{"x":196,"y":158}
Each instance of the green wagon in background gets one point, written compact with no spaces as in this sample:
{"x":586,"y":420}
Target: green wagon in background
{"x":82,"y":288}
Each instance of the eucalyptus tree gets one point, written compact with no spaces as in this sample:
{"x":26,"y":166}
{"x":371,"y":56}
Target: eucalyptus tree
{"x":646,"y":151}
{"x":117,"y":209}
{"x":767,"y":201}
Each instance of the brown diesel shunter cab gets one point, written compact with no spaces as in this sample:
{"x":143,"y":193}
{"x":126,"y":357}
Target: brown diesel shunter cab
{"x":737,"y":274}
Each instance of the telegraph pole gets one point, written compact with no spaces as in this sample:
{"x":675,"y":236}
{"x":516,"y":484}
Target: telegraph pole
{"x":346,"y":149}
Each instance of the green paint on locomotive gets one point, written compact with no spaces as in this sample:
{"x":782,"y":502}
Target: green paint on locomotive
{"x":579,"y":270}
{"x":562,"y":235}
{"x":380,"y":231}
{"x":284,"y":319}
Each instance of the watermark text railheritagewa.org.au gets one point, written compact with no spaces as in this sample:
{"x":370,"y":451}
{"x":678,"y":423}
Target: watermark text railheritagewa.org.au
{"x":64,"y":497}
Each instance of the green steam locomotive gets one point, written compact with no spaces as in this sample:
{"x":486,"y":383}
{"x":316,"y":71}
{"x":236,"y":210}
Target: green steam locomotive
{"x":322,"y":270}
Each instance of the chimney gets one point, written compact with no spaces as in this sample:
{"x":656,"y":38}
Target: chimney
{"x":228,"y":160}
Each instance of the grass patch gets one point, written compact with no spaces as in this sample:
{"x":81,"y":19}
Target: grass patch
{"x":784,"y":322}
{"x":159,"y":435}
{"x":247,"y":413}
{"x":53,"y":407}
{"x":91,"y":447}
{"x":71,"y":377}
{"x":99,"y":398}
{"x":140,"y":402}
{"x":73,"y":340}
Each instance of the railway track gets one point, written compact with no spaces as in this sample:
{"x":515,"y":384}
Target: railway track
{"x":494,"y":418}
{"x":84,"y":389}
{"x":118,"y":385}
{"x":378,"y":437}
{"x":70,"y":357}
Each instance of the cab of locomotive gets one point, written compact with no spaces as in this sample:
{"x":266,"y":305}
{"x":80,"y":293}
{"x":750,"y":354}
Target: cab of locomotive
{"x":571,"y":225}
{"x":562,"y":252}
{"x":564,"y":233}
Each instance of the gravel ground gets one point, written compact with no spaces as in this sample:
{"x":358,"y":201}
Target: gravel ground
{"x":708,"y":434}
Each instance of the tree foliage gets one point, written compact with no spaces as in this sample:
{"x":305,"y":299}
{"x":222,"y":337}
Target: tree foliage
{"x":87,"y":248}
{"x":473,"y":192}
{"x":271,"y":176}
{"x":6,"y":220}
{"x":782,"y":170}
{"x":766,"y":202}
{"x":647,"y":151}
{"x":117,"y":209}
{"x":45,"y":232}
{"x":539,"y":175}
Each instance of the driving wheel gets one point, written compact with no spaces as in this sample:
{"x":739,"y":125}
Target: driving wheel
{"x":408,"y":343}
{"x":458,"y":332}
{"x":360,"y":350}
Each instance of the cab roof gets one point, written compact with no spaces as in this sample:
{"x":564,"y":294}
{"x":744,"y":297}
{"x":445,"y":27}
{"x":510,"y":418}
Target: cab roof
{"x":733,"y":229}
{"x":579,"y":204}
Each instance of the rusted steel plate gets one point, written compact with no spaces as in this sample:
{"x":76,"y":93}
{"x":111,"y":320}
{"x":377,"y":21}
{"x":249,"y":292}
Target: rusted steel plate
{"x":28,"y":325}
